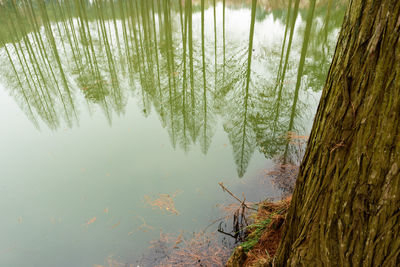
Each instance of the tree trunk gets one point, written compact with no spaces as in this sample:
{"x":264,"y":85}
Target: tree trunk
{"x":346,"y":205}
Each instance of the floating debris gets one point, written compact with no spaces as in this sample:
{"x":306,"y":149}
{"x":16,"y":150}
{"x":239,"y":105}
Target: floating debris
{"x":115,"y":225}
{"x":197,"y":249}
{"x":296,"y":136}
{"x":91,"y":221}
{"x":144,"y":227}
{"x":283,"y":176}
{"x":164,"y":202}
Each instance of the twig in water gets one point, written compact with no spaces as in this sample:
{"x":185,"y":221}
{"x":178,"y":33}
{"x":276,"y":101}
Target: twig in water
{"x":235,"y":197}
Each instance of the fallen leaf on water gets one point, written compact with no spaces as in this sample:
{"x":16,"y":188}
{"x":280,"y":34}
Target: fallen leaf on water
{"x":225,"y":145}
{"x":115,"y":225}
{"x":106,"y":210}
{"x":91,"y":221}
{"x":19,"y":219}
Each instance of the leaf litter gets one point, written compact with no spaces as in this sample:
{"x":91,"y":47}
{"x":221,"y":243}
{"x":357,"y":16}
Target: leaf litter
{"x":164,"y":202}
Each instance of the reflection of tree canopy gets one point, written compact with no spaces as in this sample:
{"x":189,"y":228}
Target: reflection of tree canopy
{"x":98,"y":53}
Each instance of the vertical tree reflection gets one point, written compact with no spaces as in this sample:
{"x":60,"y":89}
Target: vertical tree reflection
{"x":240,"y":134}
{"x":161,"y":51}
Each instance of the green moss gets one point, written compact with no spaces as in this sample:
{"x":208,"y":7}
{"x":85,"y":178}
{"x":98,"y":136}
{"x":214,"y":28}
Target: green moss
{"x":257,"y":230}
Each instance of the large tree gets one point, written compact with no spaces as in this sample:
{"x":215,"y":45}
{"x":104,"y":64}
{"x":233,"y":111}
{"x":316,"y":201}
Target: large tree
{"x":345,"y":209}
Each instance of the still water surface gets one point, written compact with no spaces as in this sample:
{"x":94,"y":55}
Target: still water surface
{"x":108,"y":106}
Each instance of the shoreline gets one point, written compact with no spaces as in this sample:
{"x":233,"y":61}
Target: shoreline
{"x":263,"y":235}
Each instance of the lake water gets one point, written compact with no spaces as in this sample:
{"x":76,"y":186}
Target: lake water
{"x":119,"y":118}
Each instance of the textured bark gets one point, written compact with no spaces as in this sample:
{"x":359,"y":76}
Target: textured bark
{"x":346,"y":204}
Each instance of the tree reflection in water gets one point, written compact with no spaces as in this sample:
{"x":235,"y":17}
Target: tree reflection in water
{"x":65,"y":53}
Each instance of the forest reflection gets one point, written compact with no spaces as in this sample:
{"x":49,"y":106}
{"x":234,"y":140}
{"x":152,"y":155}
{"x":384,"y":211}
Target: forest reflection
{"x":58,"y":56}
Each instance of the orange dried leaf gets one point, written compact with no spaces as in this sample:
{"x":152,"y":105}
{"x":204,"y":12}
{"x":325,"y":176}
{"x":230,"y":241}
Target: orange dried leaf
{"x":91,"y":221}
{"x":164,"y":202}
{"x":115,"y":225}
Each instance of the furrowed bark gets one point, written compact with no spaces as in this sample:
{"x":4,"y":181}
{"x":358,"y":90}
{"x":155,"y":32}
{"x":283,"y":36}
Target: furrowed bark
{"x":346,"y":205}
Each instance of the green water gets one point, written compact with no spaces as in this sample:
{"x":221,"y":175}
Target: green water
{"x":105,"y":105}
